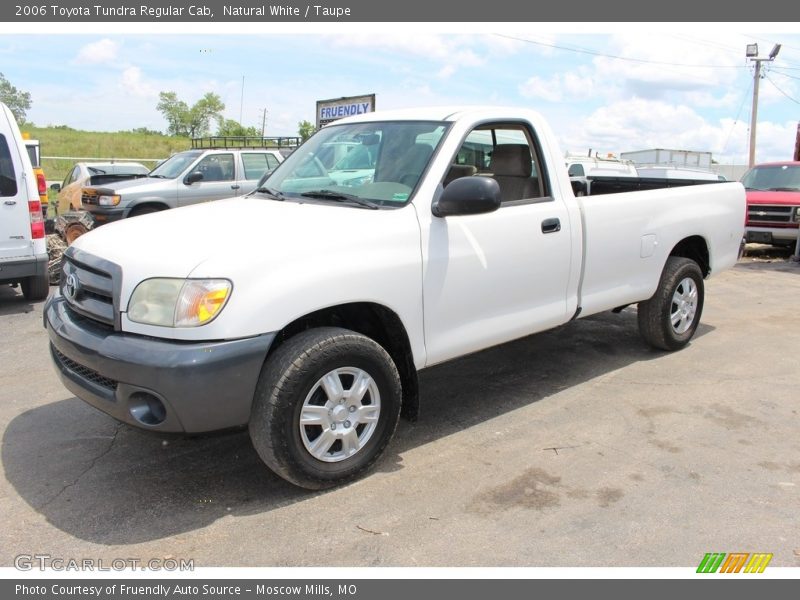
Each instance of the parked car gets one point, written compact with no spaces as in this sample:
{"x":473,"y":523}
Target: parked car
{"x":310,"y":327}
{"x":23,"y":254}
{"x":773,"y":203}
{"x":189,"y":177}
{"x":93,"y":173}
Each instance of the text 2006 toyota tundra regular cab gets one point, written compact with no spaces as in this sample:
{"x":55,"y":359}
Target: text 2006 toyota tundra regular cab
{"x":306,"y":309}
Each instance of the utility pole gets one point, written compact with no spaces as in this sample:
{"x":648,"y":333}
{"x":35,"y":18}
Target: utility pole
{"x":752,"y":54}
{"x":263,"y":121}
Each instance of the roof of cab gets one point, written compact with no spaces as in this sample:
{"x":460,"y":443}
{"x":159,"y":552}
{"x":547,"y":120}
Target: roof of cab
{"x":437,"y":113}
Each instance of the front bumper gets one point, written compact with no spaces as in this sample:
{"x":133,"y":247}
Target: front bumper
{"x":155,"y":384}
{"x":770,"y":235}
{"x":103,"y":214}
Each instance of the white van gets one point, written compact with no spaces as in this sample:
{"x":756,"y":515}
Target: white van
{"x":23,"y":249}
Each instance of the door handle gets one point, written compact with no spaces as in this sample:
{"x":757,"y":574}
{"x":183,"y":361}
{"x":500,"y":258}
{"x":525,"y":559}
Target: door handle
{"x":551,"y":225}
{"x":10,"y":202}
{"x":234,"y":187}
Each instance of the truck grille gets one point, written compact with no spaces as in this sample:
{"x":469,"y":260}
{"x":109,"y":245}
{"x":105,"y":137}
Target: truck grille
{"x":89,"y":196}
{"x":83,"y":372}
{"x":765,"y":213}
{"x":89,"y":289}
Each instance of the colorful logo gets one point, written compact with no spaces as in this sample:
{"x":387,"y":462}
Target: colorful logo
{"x":734,"y":562}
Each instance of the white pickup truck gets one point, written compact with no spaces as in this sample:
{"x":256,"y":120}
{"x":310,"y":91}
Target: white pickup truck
{"x":306,"y":309}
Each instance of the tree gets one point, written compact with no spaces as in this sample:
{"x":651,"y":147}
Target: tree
{"x":17,"y":101}
{"x":189,"y":121}
{"x":230,"y":127}
{"x":305,"y":129}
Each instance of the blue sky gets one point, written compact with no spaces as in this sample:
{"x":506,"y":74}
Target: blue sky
{"x":682,"y":87}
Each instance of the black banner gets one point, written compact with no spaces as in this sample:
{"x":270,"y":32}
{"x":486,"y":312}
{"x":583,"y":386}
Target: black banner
{"x":359,"y":11}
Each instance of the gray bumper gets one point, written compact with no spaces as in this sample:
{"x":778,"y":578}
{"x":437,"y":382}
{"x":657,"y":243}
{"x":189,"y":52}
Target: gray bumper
{"x":102,"y":214}
{"x":151,"y":383}
{"x":36,"y":266}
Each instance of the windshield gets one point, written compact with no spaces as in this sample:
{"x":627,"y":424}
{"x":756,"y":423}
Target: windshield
{"x":381,"y":162}
{"x":775,"y":178}
{"x":175,"y":164}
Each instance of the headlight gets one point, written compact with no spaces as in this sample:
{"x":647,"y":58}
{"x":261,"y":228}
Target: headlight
{"x":108,"y":200}
{"x":797,"y":214}
{"x":178,"y":302}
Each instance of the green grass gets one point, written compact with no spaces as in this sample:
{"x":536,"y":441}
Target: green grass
{"x":62,"y":141}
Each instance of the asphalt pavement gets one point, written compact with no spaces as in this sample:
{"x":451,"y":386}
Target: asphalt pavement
{"x":576,"y":447}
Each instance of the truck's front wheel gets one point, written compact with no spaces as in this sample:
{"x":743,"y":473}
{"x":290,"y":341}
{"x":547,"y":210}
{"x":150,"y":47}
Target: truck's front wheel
{"x":325,"y":408}
{"x":668,"y":320}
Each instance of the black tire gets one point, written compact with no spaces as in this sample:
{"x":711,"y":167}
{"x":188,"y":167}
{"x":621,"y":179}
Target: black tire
{"x":291,"y":380}
{"x":656,"y":315}
{"x":36,"y":288}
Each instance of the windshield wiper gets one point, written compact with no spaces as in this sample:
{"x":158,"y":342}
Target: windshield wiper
{"x":340,"y":197}
{"x":784,"y":189}
{"x":159,"y":176}
{"x":270,"y":192}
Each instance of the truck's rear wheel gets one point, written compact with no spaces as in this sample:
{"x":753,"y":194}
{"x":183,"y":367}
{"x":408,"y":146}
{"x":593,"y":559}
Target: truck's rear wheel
{"x":668,"y":320}
{"x":325,"y":408}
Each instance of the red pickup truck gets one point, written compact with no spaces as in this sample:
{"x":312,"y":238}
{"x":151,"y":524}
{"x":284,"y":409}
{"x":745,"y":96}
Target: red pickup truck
{"x":773,"y":203}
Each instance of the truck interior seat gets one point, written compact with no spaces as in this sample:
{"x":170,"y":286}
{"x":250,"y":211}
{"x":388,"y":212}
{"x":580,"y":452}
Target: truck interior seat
{"x":458,"y":171}
{"x":511,"y":167}
{"x":213,"y":173}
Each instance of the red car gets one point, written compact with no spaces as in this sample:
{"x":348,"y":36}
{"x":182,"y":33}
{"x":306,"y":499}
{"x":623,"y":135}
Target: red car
{"x":773,"y":203}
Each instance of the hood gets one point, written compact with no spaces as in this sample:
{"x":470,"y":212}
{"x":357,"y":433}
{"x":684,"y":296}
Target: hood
{"x":142,"y":184}
{"x":766,"y":197}
{"x":227,"y":238}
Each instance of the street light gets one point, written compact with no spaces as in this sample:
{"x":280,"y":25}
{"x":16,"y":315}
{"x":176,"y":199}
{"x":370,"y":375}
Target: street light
{"x":751,"y":52}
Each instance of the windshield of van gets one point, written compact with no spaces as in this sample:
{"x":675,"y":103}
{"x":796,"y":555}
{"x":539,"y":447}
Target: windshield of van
{"x":775,"y":178}
{"x":371,"y":165}
{"x":175,"y":164}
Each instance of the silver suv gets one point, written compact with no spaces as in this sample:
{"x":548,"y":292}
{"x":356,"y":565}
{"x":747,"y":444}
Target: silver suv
{"x":185,"y":178}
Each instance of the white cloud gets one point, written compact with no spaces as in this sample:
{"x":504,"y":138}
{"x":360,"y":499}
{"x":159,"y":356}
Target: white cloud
{"x":638,"y":124}
{"x":100,"y":52}
{"x":543,"y":89}
{"x":446,"y":71}
{"x":132,"y":82}
{"x":567,"y":87}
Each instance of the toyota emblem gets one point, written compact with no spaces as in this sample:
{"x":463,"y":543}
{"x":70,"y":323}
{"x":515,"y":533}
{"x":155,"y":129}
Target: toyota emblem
{"x":71,"y":286}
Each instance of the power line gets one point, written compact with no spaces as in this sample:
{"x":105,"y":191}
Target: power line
{"x":785,"y":74}
{"x":780,"y":90}
{"x":738,"y":112}
{"x":617,"y":57}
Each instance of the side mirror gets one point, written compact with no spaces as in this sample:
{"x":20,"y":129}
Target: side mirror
{"x":56,"y":187}
{"x":193,"y":177}
{"x":468,"y":196}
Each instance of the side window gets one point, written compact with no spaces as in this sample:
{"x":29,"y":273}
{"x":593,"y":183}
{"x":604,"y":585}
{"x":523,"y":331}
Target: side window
{"x":507,"y":153}
{"x":255,"y":164}
{"x":272,"y":162}
{"x":8,"y":180}
{"x":576,"y":170}
{"x":217,"y":167}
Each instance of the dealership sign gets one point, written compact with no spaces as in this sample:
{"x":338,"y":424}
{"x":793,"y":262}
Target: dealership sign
{"x":331,"y":110}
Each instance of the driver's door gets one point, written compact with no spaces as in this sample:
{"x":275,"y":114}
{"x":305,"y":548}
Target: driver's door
{"x":490,"y":278}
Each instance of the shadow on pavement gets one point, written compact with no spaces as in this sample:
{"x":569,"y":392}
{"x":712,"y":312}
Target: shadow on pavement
{"x":12,"y":302}
{"x":111,"y":484}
